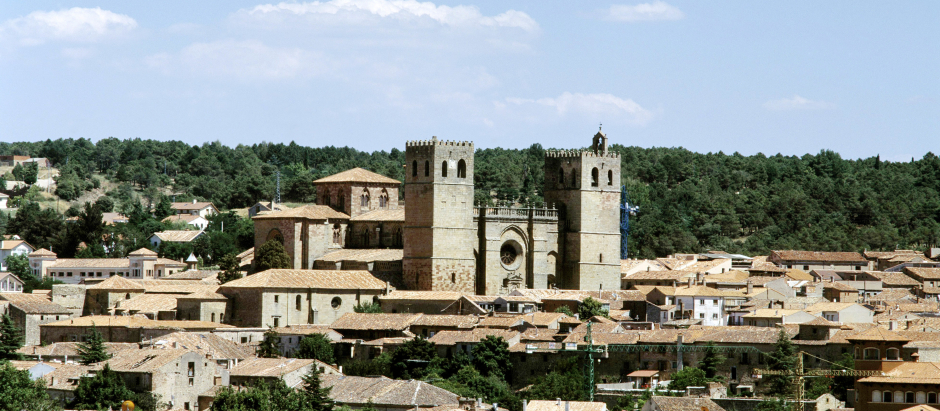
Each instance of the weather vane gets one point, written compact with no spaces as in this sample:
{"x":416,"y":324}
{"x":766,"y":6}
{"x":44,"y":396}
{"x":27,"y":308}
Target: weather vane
{"x":600,"y":127}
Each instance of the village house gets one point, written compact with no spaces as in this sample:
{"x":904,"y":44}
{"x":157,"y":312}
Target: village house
{"x":193,"y":220}
{"x":883,"y":260}
{"x":772,"y":317}
{"x":385,"y":394}
{"x":118,"y":328}
{"x":178,"y":376}
{"x":200,"y":208}
{"x":291,"y":370}
{"x":64,"y":352}
{"x":927,"y":277}
{"x":281,"y":297}
{"x":175,"y":236}
{"x":140,"y":264}
{"x":12,"y":246}
{"x":29,"y":311}
{"x":10,"y":283}
{"x":262,"y":206}
{"x":290,"y":336}
{"x":841,"y":312}
{"x":818,"y":260}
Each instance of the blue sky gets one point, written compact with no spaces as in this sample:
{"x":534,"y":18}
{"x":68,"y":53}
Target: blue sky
{"x":794,"y":77}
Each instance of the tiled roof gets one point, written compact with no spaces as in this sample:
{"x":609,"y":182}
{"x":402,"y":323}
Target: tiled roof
{"x":305,"y":329}
{"x":142,"y":252}
{"x":828,"y":306}
{"x":890,"y":254}
{"x":357,"y":175}
{"x":134,"y":322}
{"x":541,"y":319}
{"x":203,"y":295}
{"x":799,"y":275}
{"x":148,"y":303}
{"x":701,"y":266}
{"x":821,"y":322}
{"x":839,"y":286}
{"x":10,"y":244}
{"x":192,"y":275}
{"x":660,"y":275}
{"x":364,"y":255}
{"x":205,"y":343}
{"x":144,"y":360}
{"x":177,"y":286}
{"x":269,"y":367}
{"x":117,"y":282}
{"x":42,"y":252}
{"x":198,"y":205}
{"x":893,"y":278}
{"x":321,"y":279}
{"x":66,"y":376}
{"x":367,"y":321}
{"x":178,"y":236}
{"x":500,"y":322}
{"x":820,"y":256}
{"x":894,"y":295}
{"x":743,"y":334}
{"x":65,"y":263}
{"x":923,"y":273}
{"x":33,"y":303}
{"x":685,"y":404}
{"x":246,"y":253}
{"x":770,"y":313}
{"x":386,"y":392}
{"x":703,"y":291}
{"x":422,"y":295}
{"x":628,"y":338}
{"x":186,"y":218}
{"x":61,"y":349}
{"x":909,"y":373}
{"x":456,"y":321}
{"x":448,"y":337}
{"x":877,"y":334}
{"x":544,"y":405}
{"x":310,"y":212}
{"x":382,"y":215}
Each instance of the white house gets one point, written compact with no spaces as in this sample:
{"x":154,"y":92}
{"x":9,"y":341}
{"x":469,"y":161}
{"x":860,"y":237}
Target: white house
{"x":14,"y":246}
{"x":200,"y":208}
{"x":3,"y":200}
{"x":842,"y":312}
{"x":10,"y":283}
{"x":175,"y":236}
{"x":194,"y":220}
{"x":705,"y":303}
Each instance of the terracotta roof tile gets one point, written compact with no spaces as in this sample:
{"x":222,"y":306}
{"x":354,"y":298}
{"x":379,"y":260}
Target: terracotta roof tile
{"x":309,"y":211}
{"x":382,"y":215}
{"x":270,"y":367}
{"x":178,"y":236}
{"x":386,"y":392}
{"x":320,"y":279}
{"x":357,"y":175}
{"x":544,"y":405}
{"x":367,"y":321}
{"x":189,"y":205}
{"x":893,"y":278}
{"x":820,"y":256}
{"x":685,"y":404}
{"x":364,"y":255}
{"x":448,"y":337}
{"x":33,"y":303}
{"x":909,"y":373}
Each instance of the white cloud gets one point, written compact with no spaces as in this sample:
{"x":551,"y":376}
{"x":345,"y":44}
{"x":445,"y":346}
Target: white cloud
{"x":76,"y":24}
{"x":600,"y":104}
{"x":797,"y":103}
{"x":358,"y":11}
{"x":655,"y":11}
{"x":240,"y":59}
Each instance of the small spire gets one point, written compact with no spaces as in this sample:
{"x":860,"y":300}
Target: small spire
{"x":600,"y":127}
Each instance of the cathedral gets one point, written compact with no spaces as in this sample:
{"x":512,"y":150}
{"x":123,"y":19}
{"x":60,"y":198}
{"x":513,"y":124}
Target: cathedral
{"x":438,"y":240}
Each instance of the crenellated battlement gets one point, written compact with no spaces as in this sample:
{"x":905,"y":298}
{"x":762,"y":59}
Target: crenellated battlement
{"x":435,"y":142}
{"x":579,"y":154}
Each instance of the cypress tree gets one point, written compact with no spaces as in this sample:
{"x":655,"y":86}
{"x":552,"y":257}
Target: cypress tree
{"x":711,"y":361}
{"x":314,"y":397}
{"x":11,"y":338}
{"x":92,"y":349}
{"x":268,"y":347}
{"x":783,"y":358}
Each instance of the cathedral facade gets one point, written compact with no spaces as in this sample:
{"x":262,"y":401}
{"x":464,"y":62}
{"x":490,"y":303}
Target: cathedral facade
{"x":447,"y":243}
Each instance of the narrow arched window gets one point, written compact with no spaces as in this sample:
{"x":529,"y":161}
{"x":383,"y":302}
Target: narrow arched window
{"x":444,"y":169}
{"x":887,"y":397}
{"x":461,"y":169}
{"x":561,"y":176}
{"x":594,"y":177}
{"x":876,"y":396}
{"x":872,"y":354}
{"x":213,"y":317}
{"x":383,"y":199}
{"x":414,"y":168}
{"x":364,"y":199}
{"x":427,"y":168}
{"x":297,"y":303}
{"x":893,"y":354}
{"x":610,"y":177}
{"x":574,"y":178}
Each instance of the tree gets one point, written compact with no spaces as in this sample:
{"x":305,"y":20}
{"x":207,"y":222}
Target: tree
{"x":269,"y":345}
{"x":367,"y":307}
{"x":105,"y":389}
{"x":30,"y":173}
{"x":92,"y":350}
{"x":688,"y":377}
{"x":590,"y":308}
{"x":271,"y":255}
{"x":314,"y":397}
{"x":565,"y":381}
{"x":20,"y":393}
{"x":163,"y":209}
{"x":564,"y":310}
{"x":11,"y":338}
{"x":491,"y":357}
{"x":841,"y":385}
{"x":711,"y":362}
{"x":317,"y":347}
{"x":230,"y":269}
{"x":783,"y":358}
{"x":469,"y":383}
{"x":411,"y":359}
{"x":18,"y":264}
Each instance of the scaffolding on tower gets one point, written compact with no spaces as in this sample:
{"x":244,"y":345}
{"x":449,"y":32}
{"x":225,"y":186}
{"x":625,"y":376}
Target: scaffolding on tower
{"x":626,"y":210}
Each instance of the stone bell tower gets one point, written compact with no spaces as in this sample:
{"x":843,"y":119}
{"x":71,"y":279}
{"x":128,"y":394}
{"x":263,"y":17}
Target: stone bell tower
{"x":585,"y":188}
{"x":439,"y":234}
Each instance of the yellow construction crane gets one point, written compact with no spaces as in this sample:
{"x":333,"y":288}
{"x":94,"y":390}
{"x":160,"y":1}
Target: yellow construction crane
{"x":800,"y":373}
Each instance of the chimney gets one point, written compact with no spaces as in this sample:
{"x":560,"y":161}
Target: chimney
{"x":524,"y":405}
{"x":700,"y":278}
{"x":567,"y":405}
{"x":557,"y":401}
{"x":691,"y":281}
{"x":750,"y":287}
{"x":194,"y":201}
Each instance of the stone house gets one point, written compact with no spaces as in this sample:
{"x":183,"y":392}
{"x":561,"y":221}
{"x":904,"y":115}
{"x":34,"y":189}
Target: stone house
{"x":29,"y":311}
{"x":886,"y":259}
{"x":365,"y":326}
{"x":178,"y":376}
{"x":175,"y":236}
{"x":449,"y":342}
{"x":818,"y":260}
{"x":67,"y":352}
{"x":290,"y":336}
{"x":655,"y":278}
{"x":203,"y":306}
{"x":386,"y":394}
{"x":194,"y":220}
{"x":280,"y":297}
{"x":839,"y":292}
{"x":890,"y":279}
{"x":429,"y":302}
{"x":262,"y":206}
{"x":119,"y":329}
{"x":928,"y":277}
{"x":291,"y":370}
{"x":200,"y":208}
{"x":772,"y":317}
